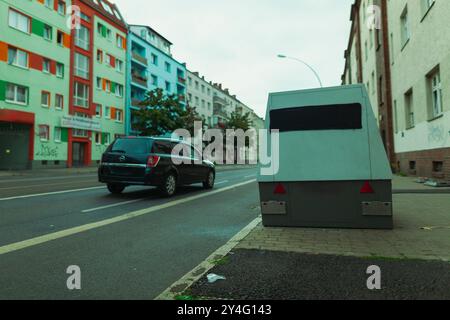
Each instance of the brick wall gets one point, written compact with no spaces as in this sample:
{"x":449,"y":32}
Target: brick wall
{"x":424,"y":163}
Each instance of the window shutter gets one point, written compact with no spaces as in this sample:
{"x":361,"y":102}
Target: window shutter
{"x":113,"y":113}
{"x":2,"y":90}
{"x":37,"y":27}
{"x":64,"y":135}
{"x":113,"y":87}
{"x":103,"y":31}
{"x":3,"y":51}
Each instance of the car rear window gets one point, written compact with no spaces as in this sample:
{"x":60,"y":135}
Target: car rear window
{"x":162,"y":147}
{"x":329,"y":117}
{"x":131,"y":146}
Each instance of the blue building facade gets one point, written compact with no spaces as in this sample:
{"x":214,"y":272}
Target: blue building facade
{"x":150,"y":66}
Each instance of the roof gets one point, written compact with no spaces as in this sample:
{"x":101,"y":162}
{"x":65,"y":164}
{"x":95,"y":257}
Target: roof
{"x":108,"y":9}
{"x":152,"y":30}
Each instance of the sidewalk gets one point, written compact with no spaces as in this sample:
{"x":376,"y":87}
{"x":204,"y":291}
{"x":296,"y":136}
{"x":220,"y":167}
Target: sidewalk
{"x":418,"y":246}
{"x":88,"y":170}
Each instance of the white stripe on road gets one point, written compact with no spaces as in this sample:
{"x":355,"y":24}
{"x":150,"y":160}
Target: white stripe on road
{"x":250,"y":176}
{"x":68,"y":232}
{"x":221,"y":182}
{"x":112,"y":205}
{"x":49,"y":193}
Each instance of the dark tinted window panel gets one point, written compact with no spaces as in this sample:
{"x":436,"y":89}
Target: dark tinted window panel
{"x":162,"y":147}
{"x":329,"y":117}
{"x":130,"y":146}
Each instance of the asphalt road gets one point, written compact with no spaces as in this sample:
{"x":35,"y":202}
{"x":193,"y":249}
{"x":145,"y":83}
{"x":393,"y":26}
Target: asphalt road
{"x":261,"y":275}
{"x":130,"y":246}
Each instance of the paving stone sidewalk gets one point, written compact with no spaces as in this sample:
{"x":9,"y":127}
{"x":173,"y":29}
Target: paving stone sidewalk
{"x":422,"y":231}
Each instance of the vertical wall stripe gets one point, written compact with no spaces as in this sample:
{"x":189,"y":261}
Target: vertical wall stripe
{"x":2,"y":90}
{"x":3,"y":51}
{"x":37,"y":27}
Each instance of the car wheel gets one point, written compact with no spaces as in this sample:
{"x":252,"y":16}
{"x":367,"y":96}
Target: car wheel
{"x":169,"y":186}
{"x":210,"y":179}
{"x":116,"y":188}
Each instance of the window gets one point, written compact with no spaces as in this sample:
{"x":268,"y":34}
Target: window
{"x":154,"y":58}
{"x":108,"y":59}
{"x":61,"y":7}
{"x":81,"y":66}
{"x":426,"y":5}
{"x":409,"y":110}
{"x":395,"y":117}
{"x":154,"y":80}
{"x":438,"y":166}
{"x":48,"y":3}
{"x":108,"y":86}
{"x":46,"y":65}
{"x":45,"y":99}
{"x":197,"y":101}
{"x":17,"y":57}
{"x":119,"y":90}
{"x":44,"y":132}
{"x":168,"y":67}
{"x":108,"y":112}
{"x":120,"y":41}
{"x":16,"y":94}
{"x":338,"y":117}
{"x":108,"y":34}
{"x":404,"y":23}
{"x":60,"y":38}
{"x":60,"y":70}
{"x":107,"y":138}
{"x":373,"y":82}
{"x":119,"y":116}
{"x":196,"y":85}
{"x":391,"y":44}
{"x":203,"y":104}
{"x":436,"y":93}
{"x":81,"y":95}
{"x":59,"y":102}
{"x":98,"y":138}
{"x":203,"y":88}
{"x":209,"y":92}
{"x":99,"y":83}
{"x":19,"y":21}
{"x":119,"y":65}
{"x":48,"y":32}
{"x":58,"y":134}
{"x":98,"y":110}
{"x":168,"y":87}
{"x":100,"y":56}
{"x":82,"y":38}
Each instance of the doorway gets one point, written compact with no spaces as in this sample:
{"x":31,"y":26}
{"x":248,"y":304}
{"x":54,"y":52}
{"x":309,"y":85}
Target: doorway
{"x":78,"y":154}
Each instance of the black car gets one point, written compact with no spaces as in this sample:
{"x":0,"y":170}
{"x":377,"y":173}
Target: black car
{"x":148,"y":161}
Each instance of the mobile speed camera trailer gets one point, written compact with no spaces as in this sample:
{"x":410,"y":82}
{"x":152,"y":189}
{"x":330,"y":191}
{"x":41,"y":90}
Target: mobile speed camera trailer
{"x":333,"y":169}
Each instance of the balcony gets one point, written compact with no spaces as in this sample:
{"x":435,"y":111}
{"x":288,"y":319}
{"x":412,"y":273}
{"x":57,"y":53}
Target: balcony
{"x":139,"y":79}
{"x":182,"y":80}
{"x":220,"y":111}
{"x":182,"y":98}
{"x":136,"y":102}
{"x":139,"y":58}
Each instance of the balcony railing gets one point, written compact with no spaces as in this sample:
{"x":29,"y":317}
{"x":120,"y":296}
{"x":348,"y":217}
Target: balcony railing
{"x":182,"y":98}
{"x":181,"y":80}
{"x":136,"y":56}
{"x":136,"y":102}
{"x":139,"y":79}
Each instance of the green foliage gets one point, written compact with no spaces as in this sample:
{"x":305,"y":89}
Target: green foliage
{"x":238,"y":120}
{"x":161,"y":114}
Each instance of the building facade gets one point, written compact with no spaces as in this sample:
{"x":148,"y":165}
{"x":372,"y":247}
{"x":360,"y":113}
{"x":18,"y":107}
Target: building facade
{"x":98,"y":80}
{"x":151,"y":65}
{"x":200,"y":96}
{"x":420,"y":66}
{"x":367,"y":61}
{"x":407,"y":73}
{"x":34,"y":83}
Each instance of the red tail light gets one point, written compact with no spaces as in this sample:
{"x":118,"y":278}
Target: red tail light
{"x":280,"y":189}
{"x":367,"y":188}
{"x":152,"y":161}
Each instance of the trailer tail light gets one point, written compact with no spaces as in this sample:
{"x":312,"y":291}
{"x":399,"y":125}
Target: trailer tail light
{"x":367,"y":188}
{"x":280,"y":189}
{"x":152,"y":161}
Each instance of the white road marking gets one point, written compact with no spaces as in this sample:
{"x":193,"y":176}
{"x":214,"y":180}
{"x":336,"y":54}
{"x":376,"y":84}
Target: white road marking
{"x":68,"y":232}
{"x":218,"y":183}
{"x":111,"y":205}
{"x":49,"y":193}
{"x":250,"y":176}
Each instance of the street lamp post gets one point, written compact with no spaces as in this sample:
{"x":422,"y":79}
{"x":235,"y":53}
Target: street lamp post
{"x":282,"y":56}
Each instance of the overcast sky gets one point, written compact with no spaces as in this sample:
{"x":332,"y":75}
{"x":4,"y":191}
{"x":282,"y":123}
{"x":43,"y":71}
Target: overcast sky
{"x":235,"y":42}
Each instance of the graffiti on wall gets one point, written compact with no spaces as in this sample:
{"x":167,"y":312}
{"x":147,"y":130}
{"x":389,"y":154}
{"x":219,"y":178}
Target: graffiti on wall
{"x":47,"y":151}
{"x":437,"y":134}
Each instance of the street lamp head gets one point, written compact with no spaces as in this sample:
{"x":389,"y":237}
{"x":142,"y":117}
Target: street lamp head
{"x":282,"y":56}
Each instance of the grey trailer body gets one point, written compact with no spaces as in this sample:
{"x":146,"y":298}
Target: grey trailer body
{"x":333,"y":169}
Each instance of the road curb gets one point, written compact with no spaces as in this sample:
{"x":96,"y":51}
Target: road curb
{"x":198,"y":272}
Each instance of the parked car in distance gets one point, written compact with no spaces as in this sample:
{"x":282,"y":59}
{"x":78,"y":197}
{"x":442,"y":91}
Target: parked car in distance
{"x":148,"y":161}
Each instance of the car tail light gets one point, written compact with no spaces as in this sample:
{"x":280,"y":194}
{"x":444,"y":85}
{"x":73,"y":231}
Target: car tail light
{"x":152,"y":161}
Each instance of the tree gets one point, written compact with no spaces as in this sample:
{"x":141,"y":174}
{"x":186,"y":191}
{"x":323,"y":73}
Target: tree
{"x":161,"y":114}
{"x":238,"y":120}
